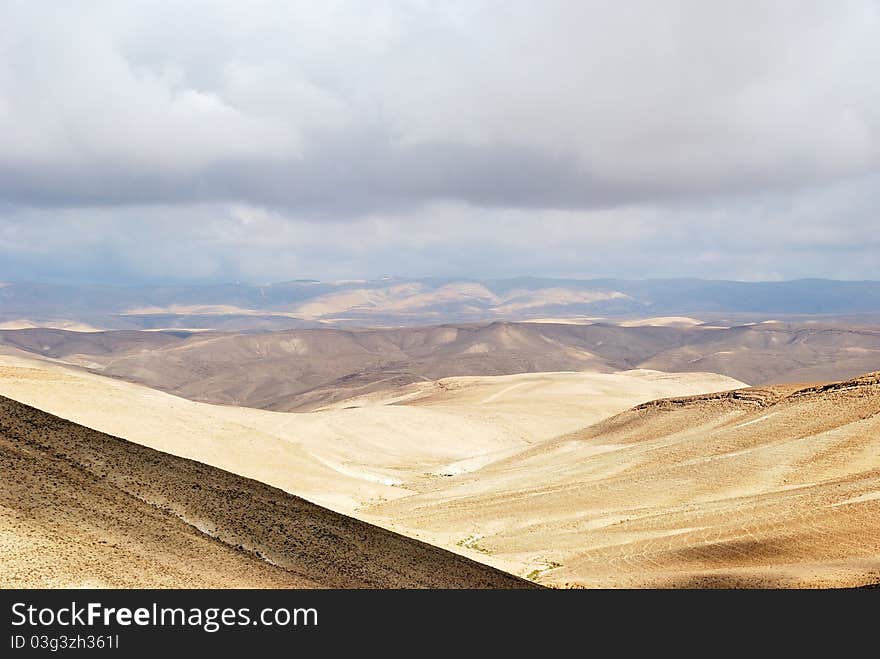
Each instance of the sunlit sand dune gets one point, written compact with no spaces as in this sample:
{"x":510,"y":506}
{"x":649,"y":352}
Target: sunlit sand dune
{"x":356,"y":453}
{"x":569,"y":479}
{"x":760,"y":487}
{"x":79,"y":508}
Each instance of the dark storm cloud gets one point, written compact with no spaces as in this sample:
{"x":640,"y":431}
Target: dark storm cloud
{"x":347,"y":176}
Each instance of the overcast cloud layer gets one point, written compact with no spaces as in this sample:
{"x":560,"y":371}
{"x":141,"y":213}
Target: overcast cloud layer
{"x":146,"y":141}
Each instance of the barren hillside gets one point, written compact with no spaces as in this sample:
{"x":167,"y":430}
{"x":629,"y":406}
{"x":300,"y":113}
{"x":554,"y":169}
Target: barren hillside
{"x":357,"y":451}
{"x":307,"y":369}
{"x":81,"y":508}
{"x":769,"y":486}
{"x":774,"y":486}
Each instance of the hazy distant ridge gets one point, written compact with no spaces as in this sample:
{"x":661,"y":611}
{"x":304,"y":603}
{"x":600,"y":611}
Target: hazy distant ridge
{"x":304,"y":303}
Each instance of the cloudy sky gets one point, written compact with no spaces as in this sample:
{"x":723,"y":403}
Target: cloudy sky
{"x":265,"y":141}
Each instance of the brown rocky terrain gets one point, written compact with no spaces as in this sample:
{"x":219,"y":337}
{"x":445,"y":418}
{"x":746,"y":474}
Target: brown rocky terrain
{"x":81,"y":508}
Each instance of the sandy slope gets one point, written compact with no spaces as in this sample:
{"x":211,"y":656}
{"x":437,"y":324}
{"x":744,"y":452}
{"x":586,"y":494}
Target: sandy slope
{"x":80,"y":508}
{"x":772,"y":486}
{"x":230,"y":438}
{"x":360,"y":452}
{"x":480,"y":419}
{"x":777,"y":486}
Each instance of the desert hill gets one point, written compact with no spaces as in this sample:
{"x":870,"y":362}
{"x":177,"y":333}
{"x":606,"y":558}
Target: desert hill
{"x":81,"y":508}
{"x":307,"y":369}
{"x":770,"y":486}
{"x":549,"y":475}
{"x":357,"y":451}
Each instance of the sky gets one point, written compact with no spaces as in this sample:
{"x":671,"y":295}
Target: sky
{"x":145,"y":142}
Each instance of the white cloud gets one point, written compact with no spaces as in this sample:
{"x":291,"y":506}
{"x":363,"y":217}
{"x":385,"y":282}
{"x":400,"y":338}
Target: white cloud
{"x":212,"y":139}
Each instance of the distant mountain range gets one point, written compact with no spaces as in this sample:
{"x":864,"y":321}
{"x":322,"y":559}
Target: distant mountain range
{"x":399,"y":301}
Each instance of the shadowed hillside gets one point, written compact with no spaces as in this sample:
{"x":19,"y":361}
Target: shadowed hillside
{"x":301,"y":370}
{"x":81,"y":508}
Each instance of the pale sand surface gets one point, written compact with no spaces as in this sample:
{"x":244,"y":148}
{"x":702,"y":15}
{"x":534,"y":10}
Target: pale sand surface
{"x":568,"y":320}
{"x":344,"y":458}
{"x":235,"y":439}
{"x":79,"y":508}
{"x":772,"y":487}
{"x":662,"y":321}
